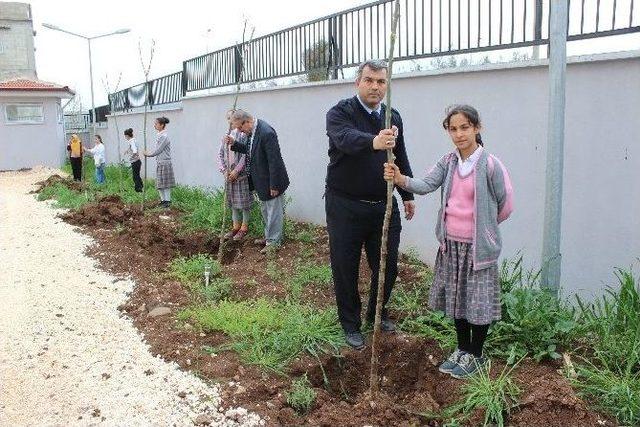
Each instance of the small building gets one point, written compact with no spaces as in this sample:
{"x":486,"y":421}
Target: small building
{"x":31,"y":123}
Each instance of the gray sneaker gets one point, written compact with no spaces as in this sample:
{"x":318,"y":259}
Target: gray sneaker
{"x":451,"y":362}
{"x":468,"y":365}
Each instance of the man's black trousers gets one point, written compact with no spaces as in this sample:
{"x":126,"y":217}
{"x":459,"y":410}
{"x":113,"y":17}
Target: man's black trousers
{"x":352,"y":224}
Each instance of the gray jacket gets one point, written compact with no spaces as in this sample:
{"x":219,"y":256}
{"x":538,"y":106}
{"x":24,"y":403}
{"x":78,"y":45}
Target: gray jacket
{"x":493,"y":202}
{"x":163,"y":149}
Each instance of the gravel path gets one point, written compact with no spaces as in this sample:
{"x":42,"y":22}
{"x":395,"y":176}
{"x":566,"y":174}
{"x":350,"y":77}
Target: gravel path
{"x":67,"y":356}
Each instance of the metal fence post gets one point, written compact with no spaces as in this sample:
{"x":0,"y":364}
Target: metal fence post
{"x":551,"y":256}
{"x":150,"y":94}
{"x":237,"y":63}
{"x":183,"y":78}
{"x":537,"y":35}
{"x":333,"y":46}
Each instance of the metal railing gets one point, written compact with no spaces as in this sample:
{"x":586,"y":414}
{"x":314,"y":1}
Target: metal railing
{"x":100,"y":113}
{"x":163,"y":90}
{"x":428,"y":28}
{"x":76,"y":122}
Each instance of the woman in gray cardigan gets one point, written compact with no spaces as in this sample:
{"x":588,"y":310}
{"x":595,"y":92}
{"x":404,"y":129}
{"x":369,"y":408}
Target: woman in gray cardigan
{"x":165,"y":179}
{"x":476,"y":195}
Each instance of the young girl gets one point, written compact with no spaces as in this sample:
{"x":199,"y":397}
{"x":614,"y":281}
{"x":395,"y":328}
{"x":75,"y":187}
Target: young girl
{"x":239,"y":196}
{"x":134,"y":159}
{"x":98,"y":158}
{"x":476,"y":196}
{"x":165,"y":179}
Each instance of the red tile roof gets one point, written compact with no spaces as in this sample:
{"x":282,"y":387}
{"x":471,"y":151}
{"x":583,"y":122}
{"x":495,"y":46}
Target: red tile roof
{"x":35,"y":85}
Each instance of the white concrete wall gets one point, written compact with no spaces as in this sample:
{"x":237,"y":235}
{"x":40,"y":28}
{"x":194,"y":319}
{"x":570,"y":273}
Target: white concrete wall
{"x":601,"y":225}
{"x":114,"y":140}
{"x":27,"y":145}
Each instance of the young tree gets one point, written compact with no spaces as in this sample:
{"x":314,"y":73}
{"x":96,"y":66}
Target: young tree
{"x":109,"y":90}
{"x":146,"y":68}
{"x":374,"y":382}
{"x":243,"y":48}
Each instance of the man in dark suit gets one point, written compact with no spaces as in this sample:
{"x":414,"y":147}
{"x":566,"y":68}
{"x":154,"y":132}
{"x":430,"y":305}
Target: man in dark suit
{"x":267,"y":172}
{"x":356,"y":195}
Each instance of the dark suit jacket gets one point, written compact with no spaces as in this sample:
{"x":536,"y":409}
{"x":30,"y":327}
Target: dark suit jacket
{"x":355,"y":168}
{"x":266,"y":167}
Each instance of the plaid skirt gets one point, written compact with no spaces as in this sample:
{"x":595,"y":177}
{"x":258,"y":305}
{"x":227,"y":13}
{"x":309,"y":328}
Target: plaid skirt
{"x":238,"y":194}
{"x":164,"y":176}
{"x":461,"y":292}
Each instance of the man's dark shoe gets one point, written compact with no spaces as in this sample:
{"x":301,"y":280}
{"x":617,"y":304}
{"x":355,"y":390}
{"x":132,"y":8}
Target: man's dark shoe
{"x":355,"y":340}
{"x":386,"y":325}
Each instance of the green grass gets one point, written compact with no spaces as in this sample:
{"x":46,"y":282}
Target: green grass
{"x":274,"y":272}
{"x":411,"y":298}
{"x":609,"y":373}
{"x":412,"y":256}
{"x":190,"y":272}
{"x":612,"y":324}
{"x":204,"y":210}
{"x":435,"y":325}
{"x":63,"y":196}
{"x":611,"y":391}
{"x":117,"y":182}
{"x":269,"y":333}
{"x":301,"y":396}
{"x":497,"y":397}
{"x":308,"y":273}
{"x":304,"y":233}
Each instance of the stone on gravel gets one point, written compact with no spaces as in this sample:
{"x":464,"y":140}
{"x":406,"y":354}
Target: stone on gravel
{"x":159,"y":311}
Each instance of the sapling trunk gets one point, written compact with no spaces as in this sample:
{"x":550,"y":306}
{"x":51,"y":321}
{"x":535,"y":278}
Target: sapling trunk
{"x":374,"y":382}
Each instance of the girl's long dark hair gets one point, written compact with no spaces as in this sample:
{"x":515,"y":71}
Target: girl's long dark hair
{"x":469,"y":112}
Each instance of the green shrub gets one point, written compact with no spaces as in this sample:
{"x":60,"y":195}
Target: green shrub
{"x":533,"y":322}
{"x":301,"y":396}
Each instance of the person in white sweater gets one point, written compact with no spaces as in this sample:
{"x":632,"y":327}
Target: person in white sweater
{"x":98,"y":154}
{"x":134,"y":159}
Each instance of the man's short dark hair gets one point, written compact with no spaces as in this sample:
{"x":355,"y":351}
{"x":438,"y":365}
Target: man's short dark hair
{"x":373,"y":64}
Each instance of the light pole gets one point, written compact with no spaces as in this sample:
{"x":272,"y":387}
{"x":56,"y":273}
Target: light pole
{"x":88,"y":39}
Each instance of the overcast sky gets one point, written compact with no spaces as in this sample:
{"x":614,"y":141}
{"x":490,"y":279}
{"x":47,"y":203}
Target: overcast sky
{"x":188,"y":28}
{"x":182,"y":29}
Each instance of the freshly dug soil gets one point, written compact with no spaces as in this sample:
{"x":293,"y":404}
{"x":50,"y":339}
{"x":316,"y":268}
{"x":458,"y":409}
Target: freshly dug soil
{"x":57,"y":179}
{"x":130,"y":243}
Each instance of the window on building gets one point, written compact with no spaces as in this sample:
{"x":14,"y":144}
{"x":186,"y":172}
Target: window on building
{"x":24,"y":113}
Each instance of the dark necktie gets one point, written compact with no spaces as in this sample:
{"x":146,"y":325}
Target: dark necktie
{"x":248,"y":155}
{"x":376,"y":116}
